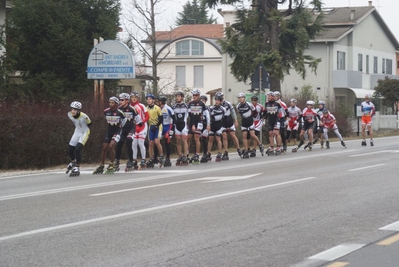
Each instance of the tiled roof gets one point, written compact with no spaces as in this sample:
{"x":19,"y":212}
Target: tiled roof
{"x":342,"y":15}
{"x":209,"y":31}
{"x":332,"y":33}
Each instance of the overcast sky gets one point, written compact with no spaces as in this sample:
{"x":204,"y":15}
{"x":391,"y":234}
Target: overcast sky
{"x":388,"y":9}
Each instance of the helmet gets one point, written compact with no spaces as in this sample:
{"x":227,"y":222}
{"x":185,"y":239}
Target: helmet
{"x":134,"y":93}
{"x":270,"y":93}
{"x":180,"y":93}
{"x":293,"y":100}
{"x":204,"y":97}
{"x":150,"y":96}
{"x":218,"y":97}
{"x":115,"y":99}
{"x":196,"y":91}
{"x":310,"y":102}
{"x":367,"y":96}
{"x":76,"y":105}
{"x":277,"y":93}
{"x":124,"y":96}
{"x":254,"y":97}
{"x":219,"y":94}
{"x":163,"y":99}
{"x":325,"y":111}
{"x":241,"y":95}
{"x":321,"y":102}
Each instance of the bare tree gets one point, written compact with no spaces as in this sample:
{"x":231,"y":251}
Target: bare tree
{"x":143,"y":16}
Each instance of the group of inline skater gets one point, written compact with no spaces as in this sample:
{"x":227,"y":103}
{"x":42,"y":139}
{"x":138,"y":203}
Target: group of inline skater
{"x":131,"y":122}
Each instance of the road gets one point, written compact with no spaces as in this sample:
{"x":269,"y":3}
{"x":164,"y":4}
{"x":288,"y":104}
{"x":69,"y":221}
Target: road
{"x":318,"y":208}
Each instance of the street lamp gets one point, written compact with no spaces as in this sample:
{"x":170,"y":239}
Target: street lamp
{"x":143,"y":83}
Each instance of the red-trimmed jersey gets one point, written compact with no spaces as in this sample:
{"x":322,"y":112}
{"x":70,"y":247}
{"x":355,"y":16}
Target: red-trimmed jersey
{"x":257,"y":114}
{"x":283,"y":106}
{"x":329,"y":121}
{"x":293,"y":116}
{"x":142,"y":115}
{"x":309,"y":115}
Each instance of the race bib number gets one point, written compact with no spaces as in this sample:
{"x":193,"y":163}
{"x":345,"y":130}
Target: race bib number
{"x":200,"y":126}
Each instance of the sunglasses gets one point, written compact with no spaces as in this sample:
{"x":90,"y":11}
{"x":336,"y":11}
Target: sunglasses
{"x":195,"y":95}
{"x":122,"y":99}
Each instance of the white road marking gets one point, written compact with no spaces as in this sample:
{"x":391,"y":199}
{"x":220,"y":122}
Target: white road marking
{"x":336,"y":252}
{"x":367,"y":167}
{"x":217,"y":179}
{"x":391,"y":227}
{"x":228,"y":178}
{"x":372,"y":153}
{"x":130,"y":213}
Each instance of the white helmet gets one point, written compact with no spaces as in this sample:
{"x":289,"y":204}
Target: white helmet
{"x":321,"y":102}
{"x":277,"y":93}
{"x":270,"y":93}
{"x":76,"y":105}
{"x":310,"y":102}
{"x":240,"y":95}
{"x":293,"y":100}
{"x":196,"y":91}
{"x":124,"y":96}
{"x":115,"y":99}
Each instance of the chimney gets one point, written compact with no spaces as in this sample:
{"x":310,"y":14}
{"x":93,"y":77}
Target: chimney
{"x":370,"y":3}
{"x":352,"y":17}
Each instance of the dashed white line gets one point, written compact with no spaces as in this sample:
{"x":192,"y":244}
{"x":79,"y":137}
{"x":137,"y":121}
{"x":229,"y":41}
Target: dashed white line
{"x":391,"y":227}
{"x":367,"y":167}
{"x":336,"y":252}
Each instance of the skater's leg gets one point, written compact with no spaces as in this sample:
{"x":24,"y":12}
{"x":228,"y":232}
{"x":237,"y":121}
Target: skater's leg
{"x":225,"y":141}
{"x":158,"y":147}
{"x":142,"y":148}
{"x":104,"y":152}
{"x":129,"y":146}
{"x":78,"y":153}
{"x":111,"y":150}
{"x":219,"y":142}
{"x":244,"y":139}
{"x":210,"y":143}
{"x":135,"y":144}
{"x":255,"y":138}
{"x":197,"y":143}
{"x":338,"y":134}
{"x":294,"y":133}
{"x":71,"y":152}
{"x":119,"y":146}
{"x":325,"y":133}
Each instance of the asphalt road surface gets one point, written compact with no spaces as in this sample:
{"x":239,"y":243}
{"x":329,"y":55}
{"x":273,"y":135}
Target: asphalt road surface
{"x":336,"y":207}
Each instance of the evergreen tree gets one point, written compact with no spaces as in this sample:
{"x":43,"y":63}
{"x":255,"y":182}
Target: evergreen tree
{"x":50,"y":40}
{"x":388,"y":90}
{"x":194,"y":13}
{"x":276,"y":38}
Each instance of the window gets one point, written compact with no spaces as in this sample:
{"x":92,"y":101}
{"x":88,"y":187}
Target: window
{"x":199,"y":76}
{"x":389,"y":66}
{"x":181,"y":76}
{"x":340,"y":60}
{"x":189,"y":48}
{"x":360,"y":62}
{"x":375,"y":69}
{"x":383,"y":65}
{"x":367,"y":64}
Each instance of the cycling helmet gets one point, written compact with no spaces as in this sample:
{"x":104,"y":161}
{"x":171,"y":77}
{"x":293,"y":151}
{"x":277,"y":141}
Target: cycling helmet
{"x":293,"y":100}
{"x":180,"y":93}
{"x":163,"y":99}
{"x":218,"y":97}
{"x":241,"y":95}
{"x":115,"y":99}
{"x":270,"y":93}
{"x":310,"y":102}
{"x":325,"y":111}
{"x":150,"y":96}
{"x":124,"y":96}
{"x":204,"y":97}
{"x":254,"y":97}
{"x":321,"y":102}
{"x":277,"y":93}
{"x":76,"y":105}
{"x":196,"y":91}
{"x":134,"y":93}
{"x":219,"y":94}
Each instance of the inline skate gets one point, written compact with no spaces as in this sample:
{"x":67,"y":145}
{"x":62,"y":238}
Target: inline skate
{"x":195,"y":159}
{"x":328,"y":144}
{"x":371,"y":143}
{"x":150,"y":164}
{"x":218,"y":157}
{"x":130,"y":166}
{"x":245,"y":154}
{"x":70,"y":167}
{"x":343,"y":144}
{"x":160,"y":161}
{"x":364,"y":143}
{"x":225,"y":156}
{"x":252,"y":153}
{"x":295,"y":149}
{"x":75,"y":171}
{"x":204,"y":158}
{"x":99,"y":170}
{"x":110,"y":169}
{"x":278,"y":151}
{"x":116,"y":165}
{"x":167,"y":163}
{"x":143,"y":165}
{"x":262,"y":150}
{"x":321,"y":144}
{"x":270,"y":151}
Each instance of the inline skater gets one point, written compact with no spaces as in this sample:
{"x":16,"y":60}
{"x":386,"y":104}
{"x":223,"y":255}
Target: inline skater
{"x":140,"y":132}
{"x":230,"y":124}
{"x":247,"y":123}
{"x":309,"y":115}
{"x":127,"y":131}
{"x":368,"y":111}
{"x":181,"y":127}
{"x":318,"y":128}
{"x":327,"y":121}
{"x":155,"y":129}
{"x":273,"y":114}
{"x":294,"y":119}
{"x":283,"y":116}
{"x":257,"y":114}
{"x":204,"y":135}
{"x":196,"y":109}
{"x":115,"y":119}
{"x":216,"y":113}
{"x":79,"y":138}
{"x":167,"y":127}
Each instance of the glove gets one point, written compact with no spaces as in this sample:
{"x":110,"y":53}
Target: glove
{"x":140,"y":124}
{"x":154,"y":129}
{"x":171,"y":133}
